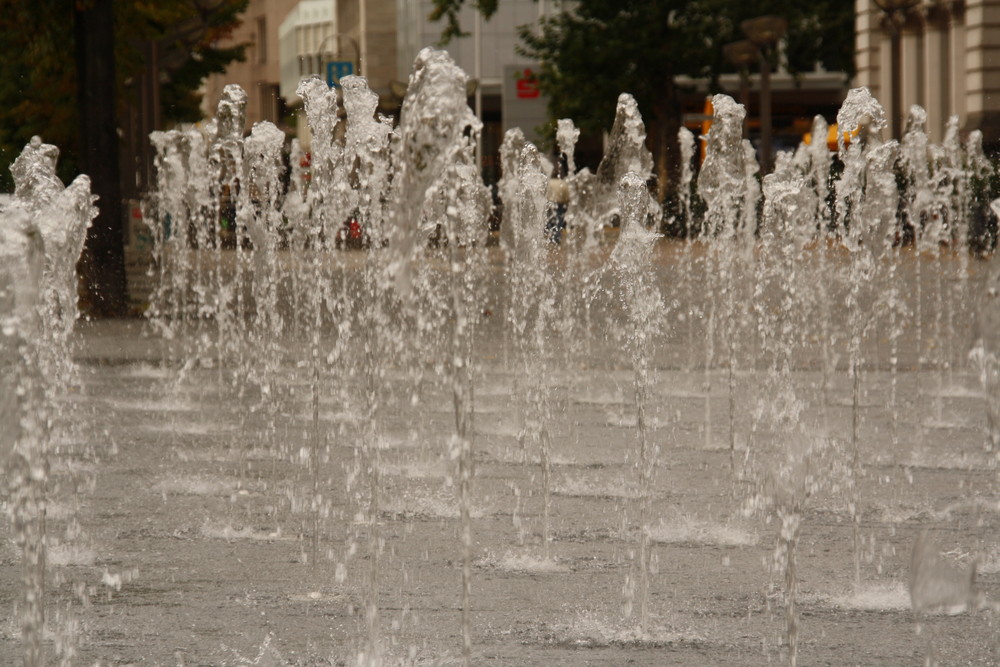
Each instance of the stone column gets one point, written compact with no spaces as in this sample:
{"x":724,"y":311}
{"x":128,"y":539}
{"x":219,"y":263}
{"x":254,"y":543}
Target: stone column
{"x":957,"y":73}
{"x":912,"y":65}
{"x":982,"y":20}
{"x":936,"y":67}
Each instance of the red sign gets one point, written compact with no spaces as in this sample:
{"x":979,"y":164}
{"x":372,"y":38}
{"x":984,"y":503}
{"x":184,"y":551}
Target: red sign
{"x":527,"y":85}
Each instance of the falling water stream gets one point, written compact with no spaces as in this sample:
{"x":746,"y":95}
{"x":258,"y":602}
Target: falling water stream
{"x":42,"y":236}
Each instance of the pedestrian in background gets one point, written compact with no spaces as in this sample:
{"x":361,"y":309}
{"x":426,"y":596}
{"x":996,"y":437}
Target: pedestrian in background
{"x":557,"y":193}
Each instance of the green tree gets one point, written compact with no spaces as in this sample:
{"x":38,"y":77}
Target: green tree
{"x":596,"y":49}
{"x":448,"y":10}
{"x":38,"y":92}
{"x":188,"y":33}
{"x":38,"y":89}
{"x":66,"y":64}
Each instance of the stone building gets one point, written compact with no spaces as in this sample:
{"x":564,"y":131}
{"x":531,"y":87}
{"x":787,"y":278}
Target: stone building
{"x":321,"y":35}
{"x":949,"y":60}
{"x":291,"y":39}
{"x":259,"y":74}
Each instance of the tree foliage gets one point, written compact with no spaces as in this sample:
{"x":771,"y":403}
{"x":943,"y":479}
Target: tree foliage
{"x":448,"y":10}
{"x":604,"y":47}
{"x":188,"y":33}
{"x":595,"y":49}
{"x":38,"y":92}
{"x":38,"y":89}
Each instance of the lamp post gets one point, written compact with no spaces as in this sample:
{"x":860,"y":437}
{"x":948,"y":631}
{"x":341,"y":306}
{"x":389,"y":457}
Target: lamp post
{"x":764,"y":32}
{"x":477,"y":41}
{"x":363,"y":36}
{"x":895,"y":18}
{"x":321,"y":52}
{"x":742,"y":54}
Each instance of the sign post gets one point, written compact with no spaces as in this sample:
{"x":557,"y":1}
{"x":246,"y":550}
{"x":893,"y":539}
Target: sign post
{"x":337,"y":70}
{"x":523,"y":104}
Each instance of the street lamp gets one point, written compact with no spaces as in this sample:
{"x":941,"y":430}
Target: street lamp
{"x":764,"y":32}
{"x":895,"y":18}
{"x":742,"y":54}
{"x":322,"y":51}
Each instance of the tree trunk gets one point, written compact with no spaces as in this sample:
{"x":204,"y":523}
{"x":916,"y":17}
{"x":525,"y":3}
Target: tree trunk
{"x":103,"y":262}
{"x":668,"y":159}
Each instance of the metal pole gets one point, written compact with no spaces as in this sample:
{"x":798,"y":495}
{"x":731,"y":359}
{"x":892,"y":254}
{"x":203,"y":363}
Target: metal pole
{"x":745,"y":97}
{"x":363,"y":33}
{"x":477,"y":39}
{"x":896,"y":83}
{"x":145,"y":120}
{"x":765,"y":112}
{"x":155,"y":67}
{"x":765,"y":32}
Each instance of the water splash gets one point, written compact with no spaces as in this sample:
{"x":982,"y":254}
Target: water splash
{"x":726,"y":191}
{"x":41,"y":238}
{"x":412,"y":309}
{"x":630,"y":265}
{"x":626,"y":153}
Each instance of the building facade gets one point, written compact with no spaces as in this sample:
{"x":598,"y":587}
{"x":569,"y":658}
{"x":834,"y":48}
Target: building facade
{"x":488,"y":55}
{"x":380,"y":40}
{"x":308,"y":36}
{"x":260,"y":73}
{"x":949,"y":61}
{"x":317,"y":33}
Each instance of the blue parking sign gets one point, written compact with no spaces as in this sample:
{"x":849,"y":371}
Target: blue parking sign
{"x":336,"y":70}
